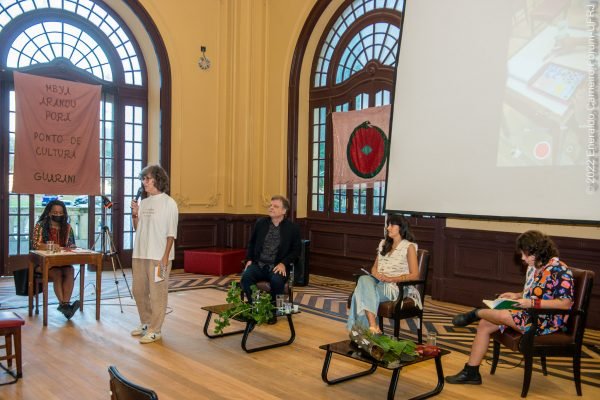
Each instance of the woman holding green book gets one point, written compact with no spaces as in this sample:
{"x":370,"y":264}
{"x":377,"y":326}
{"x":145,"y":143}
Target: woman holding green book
{"x":549,"y":284}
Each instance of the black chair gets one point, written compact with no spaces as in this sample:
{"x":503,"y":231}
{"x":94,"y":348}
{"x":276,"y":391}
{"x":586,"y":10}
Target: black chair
{"x":558,"y":344}
{"x":405,"y":308}
{"x":21,"y":277}
{"x":122,"y":389}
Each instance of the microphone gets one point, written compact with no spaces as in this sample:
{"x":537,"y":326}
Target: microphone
{"x":106,"y":202}
{"x":139,"y":193}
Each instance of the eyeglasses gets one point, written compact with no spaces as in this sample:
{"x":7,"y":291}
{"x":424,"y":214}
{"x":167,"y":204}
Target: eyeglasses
{"x":147,"y":178}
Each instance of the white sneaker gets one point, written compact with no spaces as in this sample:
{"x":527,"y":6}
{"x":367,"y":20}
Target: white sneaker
{"x":140,"y":330}
{"x":150,"y":337}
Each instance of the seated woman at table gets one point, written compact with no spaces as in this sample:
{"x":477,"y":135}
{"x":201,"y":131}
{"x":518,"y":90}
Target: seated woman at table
{"x":53,"y":225}
{"x":549,"y":284}
{"x":396,"y":261}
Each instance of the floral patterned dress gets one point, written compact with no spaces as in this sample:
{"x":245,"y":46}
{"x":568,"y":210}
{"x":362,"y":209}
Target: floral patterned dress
{"x":41,"y":235}
{"x":553,"y":281}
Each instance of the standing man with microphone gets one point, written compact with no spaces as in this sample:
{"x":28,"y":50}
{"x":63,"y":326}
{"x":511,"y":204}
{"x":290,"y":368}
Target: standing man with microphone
{"x":155,"y":222}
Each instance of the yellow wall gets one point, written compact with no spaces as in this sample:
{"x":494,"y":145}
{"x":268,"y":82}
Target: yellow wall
{"x":586,"y":232}
{"x":229,"y":127}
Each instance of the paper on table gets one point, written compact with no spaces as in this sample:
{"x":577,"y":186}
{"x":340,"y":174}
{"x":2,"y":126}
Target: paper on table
{"x":79,"y":250}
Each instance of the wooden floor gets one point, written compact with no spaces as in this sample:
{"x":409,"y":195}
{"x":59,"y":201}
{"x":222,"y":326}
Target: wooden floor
{"x":69,"y":360}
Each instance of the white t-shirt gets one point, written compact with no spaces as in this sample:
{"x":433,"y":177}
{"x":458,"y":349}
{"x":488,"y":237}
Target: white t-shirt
{"x":157,"y":220}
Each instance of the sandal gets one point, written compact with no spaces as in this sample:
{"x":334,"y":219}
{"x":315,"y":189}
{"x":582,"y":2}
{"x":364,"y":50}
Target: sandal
{"x":375,"y":330}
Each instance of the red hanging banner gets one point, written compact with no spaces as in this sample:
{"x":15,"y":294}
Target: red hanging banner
{"x":361,"y":145}
{"x":56,"y":136}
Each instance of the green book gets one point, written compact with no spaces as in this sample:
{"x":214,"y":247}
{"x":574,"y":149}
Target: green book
{"x":502,"y":304}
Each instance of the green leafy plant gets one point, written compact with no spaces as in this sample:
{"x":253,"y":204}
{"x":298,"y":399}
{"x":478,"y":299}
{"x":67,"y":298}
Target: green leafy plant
{"x":260,"y":311}
{"x":394,"y":349}
{"x":383,"y":348}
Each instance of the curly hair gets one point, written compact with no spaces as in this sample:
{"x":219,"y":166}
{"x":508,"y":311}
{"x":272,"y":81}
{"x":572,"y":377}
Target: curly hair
{"x":161,"y":179}
{"x":402,"y":222}
{"x":537,"y":244}
{"x":45,"y":218}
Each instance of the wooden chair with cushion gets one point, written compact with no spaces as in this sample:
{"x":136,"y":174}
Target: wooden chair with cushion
{"x":122,"y":389}
{"x":10,"y":328}
{"x":558,"y":344}
{"x":406,"y":308}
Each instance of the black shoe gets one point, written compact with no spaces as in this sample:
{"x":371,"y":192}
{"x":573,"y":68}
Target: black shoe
{"x":273,"y":320}
{"x":468,"y":376}
{"x":72,"y":309}
{"x":63,"y":308}
{"x":466,"y":318}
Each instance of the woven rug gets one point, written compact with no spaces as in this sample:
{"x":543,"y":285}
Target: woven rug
{"x":327,"y":297}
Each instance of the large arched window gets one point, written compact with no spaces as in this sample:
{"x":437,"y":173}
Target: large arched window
{"x":84,"y":41}
{"x":353,"y":69}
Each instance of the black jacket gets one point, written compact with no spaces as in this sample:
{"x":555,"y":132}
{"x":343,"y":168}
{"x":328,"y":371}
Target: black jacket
{"x":289,"y":247}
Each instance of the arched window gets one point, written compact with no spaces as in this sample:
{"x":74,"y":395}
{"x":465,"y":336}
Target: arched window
{"x":353,"y":69}
{"x":84,"y":41}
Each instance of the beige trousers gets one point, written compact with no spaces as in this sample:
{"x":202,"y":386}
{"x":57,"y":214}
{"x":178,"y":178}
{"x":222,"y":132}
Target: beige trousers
{"x":150,"y":297}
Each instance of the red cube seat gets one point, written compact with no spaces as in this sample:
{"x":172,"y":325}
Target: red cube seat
{"x":214,"y":261}
{"x":10,"y":328}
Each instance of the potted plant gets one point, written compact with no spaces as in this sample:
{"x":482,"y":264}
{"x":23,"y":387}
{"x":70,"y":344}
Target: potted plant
{"x":258,"y":312}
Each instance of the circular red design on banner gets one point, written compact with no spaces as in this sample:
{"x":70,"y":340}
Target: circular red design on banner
{"x":367,"y":150}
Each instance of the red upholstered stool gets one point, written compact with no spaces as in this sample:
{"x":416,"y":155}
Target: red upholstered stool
{"x":10,"y":328}
{"x":214,"y":261}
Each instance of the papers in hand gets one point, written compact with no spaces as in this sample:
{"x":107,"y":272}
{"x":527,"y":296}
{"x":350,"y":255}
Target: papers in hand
{"x":159,"y":273}
{"x":365,"y":271}
{"x":502,"y":304}
{"x":370,"y":274}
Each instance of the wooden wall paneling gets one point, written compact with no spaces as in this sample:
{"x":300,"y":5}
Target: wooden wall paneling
{"x":474,"y":267}
{"x":241,"y":230}
{"x":340,"y":248}
{"x":198,"y":234}
{"x":426,"y":232}
{"x":212,"y":230}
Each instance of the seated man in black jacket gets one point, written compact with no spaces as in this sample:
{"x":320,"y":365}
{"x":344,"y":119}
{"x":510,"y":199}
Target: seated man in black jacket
{"x":274,"y":245}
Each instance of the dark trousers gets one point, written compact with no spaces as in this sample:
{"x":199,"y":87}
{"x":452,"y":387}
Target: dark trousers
{"x":254,"y":273}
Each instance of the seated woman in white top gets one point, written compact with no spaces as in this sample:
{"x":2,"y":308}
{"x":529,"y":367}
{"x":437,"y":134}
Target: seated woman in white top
{"x":396,"y":261}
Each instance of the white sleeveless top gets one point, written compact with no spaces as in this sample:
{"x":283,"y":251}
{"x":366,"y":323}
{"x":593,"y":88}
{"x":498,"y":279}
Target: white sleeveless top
{"x":395,"y":263}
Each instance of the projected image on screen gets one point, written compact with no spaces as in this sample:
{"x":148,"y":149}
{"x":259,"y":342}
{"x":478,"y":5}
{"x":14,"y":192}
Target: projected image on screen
{"x":546,"y":74}
{"x":492,"y":114}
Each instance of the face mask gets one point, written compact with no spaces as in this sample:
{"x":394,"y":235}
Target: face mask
{"x":58,"y":218}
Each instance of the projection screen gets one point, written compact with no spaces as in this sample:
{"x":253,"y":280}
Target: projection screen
{"x":495,"y":111}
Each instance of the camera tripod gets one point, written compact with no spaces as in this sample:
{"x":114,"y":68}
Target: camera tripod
{"x":108,"y":249}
